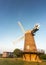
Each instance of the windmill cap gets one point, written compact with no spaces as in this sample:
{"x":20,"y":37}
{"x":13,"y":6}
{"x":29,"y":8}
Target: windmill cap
{"x":28,"y":31}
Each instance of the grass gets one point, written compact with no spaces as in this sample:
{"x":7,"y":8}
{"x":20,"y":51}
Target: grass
{"x":13,"y":61}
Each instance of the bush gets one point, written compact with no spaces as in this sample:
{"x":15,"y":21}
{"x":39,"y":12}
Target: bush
{"x":17,"y":53}
{"x":43,"y":56}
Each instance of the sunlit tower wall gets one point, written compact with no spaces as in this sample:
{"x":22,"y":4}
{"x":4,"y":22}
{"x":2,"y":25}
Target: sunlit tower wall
{"x":29,"y":44}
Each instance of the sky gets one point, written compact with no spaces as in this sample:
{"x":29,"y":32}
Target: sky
{"x":28,"y":12}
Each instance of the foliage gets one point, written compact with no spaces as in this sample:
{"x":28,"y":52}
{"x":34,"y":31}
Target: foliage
{"x":17,"y":53}
{"x":43,"y":56}
{"x":0,"y":55}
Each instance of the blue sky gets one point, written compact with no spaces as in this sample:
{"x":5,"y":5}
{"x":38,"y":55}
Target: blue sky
{"x":28,"y":12}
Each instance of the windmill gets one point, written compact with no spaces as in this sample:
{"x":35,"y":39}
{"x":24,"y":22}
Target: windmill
{"x":29,"y":43}
{"x":30,"y":50}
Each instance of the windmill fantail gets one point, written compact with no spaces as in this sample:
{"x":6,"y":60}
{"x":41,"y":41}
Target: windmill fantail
{"x":36,"y":28}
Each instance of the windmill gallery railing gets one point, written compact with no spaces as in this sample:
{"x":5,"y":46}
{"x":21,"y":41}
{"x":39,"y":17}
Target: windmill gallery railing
{"x":39,"y":51}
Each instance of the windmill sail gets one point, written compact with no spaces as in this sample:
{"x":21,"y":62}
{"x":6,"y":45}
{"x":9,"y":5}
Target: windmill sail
{"x":21,"y":27}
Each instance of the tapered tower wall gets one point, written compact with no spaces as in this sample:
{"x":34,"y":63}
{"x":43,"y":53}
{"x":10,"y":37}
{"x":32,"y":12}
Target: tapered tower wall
{"x":29,"y":44}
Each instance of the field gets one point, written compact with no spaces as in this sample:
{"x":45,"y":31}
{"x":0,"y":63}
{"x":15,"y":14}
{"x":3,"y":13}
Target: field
{"x":13,"y":61}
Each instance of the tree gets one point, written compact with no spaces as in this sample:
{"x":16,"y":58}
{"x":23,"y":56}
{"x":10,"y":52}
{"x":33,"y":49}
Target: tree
{"x":0,"y":55}
{"x":17,"y":53}
{"x":43,"y":56}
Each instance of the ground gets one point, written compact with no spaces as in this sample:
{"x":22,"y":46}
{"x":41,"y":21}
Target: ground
{"x":15,"y":61}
